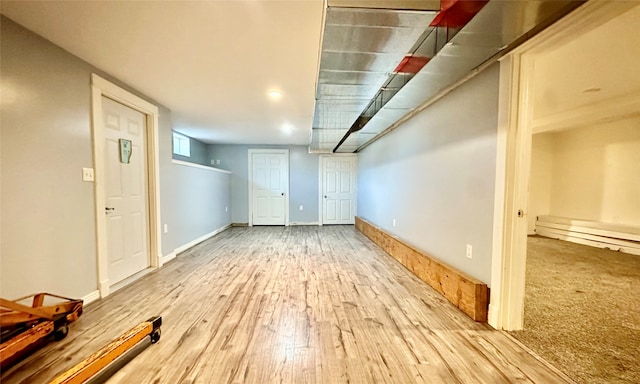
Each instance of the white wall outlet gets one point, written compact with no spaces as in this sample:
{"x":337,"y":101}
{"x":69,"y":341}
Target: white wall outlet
{"x":226,"y":209}
{"x":87,"y":174}
{"x":469,"y":251}
{"x":213,"y":162}
{"x":217,"y":162}
{"x":394,"y":222}
{"x":301,"y":208}
{"x":166,"y":228}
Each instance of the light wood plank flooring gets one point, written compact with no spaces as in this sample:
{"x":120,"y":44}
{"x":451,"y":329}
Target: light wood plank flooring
{"x":291,"y":305}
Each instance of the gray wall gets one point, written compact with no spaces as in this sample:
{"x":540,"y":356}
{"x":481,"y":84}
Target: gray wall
{"x":199,"y":204}
{"x":47,"y":239}
{"x":199,"y":152}
{"x":435,"y":175}
{"x":303,"y":180}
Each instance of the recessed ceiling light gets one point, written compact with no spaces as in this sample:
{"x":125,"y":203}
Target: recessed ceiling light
{"x":274,"y":95}
{"x":287,"y":128}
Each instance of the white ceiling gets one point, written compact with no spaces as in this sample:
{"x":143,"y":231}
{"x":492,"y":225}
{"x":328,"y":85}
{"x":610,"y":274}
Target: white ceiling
{"x":600,"y":65}
{"x":210,"y":62}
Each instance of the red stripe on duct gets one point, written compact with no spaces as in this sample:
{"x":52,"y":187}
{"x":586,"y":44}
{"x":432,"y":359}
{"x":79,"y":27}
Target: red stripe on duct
{"x":411,"y":64}
{"x":457,"y":13}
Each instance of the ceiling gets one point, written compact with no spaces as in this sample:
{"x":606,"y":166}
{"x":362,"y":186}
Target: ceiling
{"x":211,"y":62}
{"x":598,"y":66}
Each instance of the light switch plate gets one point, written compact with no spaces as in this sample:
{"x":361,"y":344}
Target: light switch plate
{"x":87,"y":174}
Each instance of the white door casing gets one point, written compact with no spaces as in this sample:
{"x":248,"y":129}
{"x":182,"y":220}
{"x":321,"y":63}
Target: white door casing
{"x":99,"y":88}
{"x":514,"y":156}
{"x":338,"y":189}
{"x":125,"y":191}
{"x":268,"y":187}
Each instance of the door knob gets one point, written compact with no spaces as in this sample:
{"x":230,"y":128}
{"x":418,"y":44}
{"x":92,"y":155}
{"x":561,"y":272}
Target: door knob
{"x":325,"y":196}
{"x":109,"y":209}
{"x":282,"y":194}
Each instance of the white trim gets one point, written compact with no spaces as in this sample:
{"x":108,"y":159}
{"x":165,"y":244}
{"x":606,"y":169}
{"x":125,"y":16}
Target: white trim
{"x":91,"y":297}
{"x":509,"y":254}
{"x":321,"y":159}
{"x":605,"y":110}
{"x":101,"y":87}
{"x":168,"y":258}
{"x":504,"y":98}
{"x":303,"y":223}
{"x":250,"y":152}
{"x":199,"y":240}
{"x":200,"y":166}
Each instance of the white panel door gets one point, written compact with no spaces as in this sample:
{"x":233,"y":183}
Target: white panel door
{"x":270,"y":184}
{"x":125,"y":191}
{"x":338,"y":190}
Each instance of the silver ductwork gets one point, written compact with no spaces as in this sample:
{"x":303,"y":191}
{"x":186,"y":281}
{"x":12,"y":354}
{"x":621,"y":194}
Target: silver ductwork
{"x":359,"y":95}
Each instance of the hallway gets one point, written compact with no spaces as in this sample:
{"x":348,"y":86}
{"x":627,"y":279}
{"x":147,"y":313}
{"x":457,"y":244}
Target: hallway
{"x":302,"y":304}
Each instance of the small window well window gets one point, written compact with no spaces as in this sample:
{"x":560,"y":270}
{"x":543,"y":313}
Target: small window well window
{"x":181,"y":145}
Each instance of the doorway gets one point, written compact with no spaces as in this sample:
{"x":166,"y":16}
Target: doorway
{"x":126,"y":211}
{"x":338,"y":189}
{"x":516,"y":125}
{"x":127,"y":201}
{"x":268,"y":187}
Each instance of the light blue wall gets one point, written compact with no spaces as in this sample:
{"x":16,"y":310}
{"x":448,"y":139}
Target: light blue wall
{"x":199,"y":204}
{"x":435,"y":176}
{"x":48,"y":232}
{"x":303,"y":180}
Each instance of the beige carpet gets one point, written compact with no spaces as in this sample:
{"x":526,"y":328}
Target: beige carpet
{"x":582,"y":310}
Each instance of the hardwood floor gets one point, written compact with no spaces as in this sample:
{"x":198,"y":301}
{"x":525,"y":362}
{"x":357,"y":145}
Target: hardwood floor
{"x":291,"y":305}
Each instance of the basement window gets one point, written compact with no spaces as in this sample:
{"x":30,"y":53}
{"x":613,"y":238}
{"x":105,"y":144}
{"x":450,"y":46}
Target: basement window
{"x":181,"y":145}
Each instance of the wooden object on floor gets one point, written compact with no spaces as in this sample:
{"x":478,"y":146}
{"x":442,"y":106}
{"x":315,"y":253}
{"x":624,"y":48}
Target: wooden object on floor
{"x":12,"y":312}
{"x":24,"y":328}
{"x":465,"y":292}
{"x":298,"y":304}
{"x":616,"y":237}
{"x":93,"y":364}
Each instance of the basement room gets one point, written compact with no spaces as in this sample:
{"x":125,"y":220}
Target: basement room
{"x":319,"y":191}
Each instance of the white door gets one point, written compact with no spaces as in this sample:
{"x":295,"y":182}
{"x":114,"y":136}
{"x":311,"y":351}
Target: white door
{"x":125,"y":191}
{"x":270,"y":186}
{"x":339,"y":189}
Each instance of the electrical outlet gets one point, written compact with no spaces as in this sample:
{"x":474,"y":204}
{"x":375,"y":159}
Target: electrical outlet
{"x":213,"y":162}
{"x":301,"y":208}
{"x":166,"y":228}
{"x":469,"y":251}
{"x":394,"y":222}
{"x":226,"y":209}
{"x":217,"y":162}
{"x":87,"y":174}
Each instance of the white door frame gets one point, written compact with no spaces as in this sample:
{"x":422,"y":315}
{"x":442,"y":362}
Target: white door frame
{"x":250,"y":182}
{"x":101,"y":87}
{"x":321,"y":159}
{"x":515,"y":125}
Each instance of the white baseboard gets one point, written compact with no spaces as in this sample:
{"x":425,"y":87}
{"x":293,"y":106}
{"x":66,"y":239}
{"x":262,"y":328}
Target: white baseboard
{"x":200,"y":239}
{"x":302,"y":223}
{"x":168,"y":258}
{"x":104,"y":288}
{"x":493,"y":316}
{"x":90,"y":298}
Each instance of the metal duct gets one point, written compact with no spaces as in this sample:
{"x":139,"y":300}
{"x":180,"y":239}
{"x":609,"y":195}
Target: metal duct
{"x":359,"y":96}
{"x":360,"y":49}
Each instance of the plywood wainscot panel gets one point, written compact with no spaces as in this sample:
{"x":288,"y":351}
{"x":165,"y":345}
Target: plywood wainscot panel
{"x":470,"y":295}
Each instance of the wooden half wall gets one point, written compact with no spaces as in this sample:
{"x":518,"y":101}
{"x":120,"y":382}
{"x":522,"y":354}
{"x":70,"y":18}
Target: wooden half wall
{"x":465,"y":292}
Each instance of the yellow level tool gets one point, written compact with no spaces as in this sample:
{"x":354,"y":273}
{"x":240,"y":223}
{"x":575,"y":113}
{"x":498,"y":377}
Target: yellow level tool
{"x":93,"y":364}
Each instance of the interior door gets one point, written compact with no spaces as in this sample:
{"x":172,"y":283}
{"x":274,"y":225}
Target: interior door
{"x":270,"y":185}
{"x":125,"y":190}
{"x":338,"y":189}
